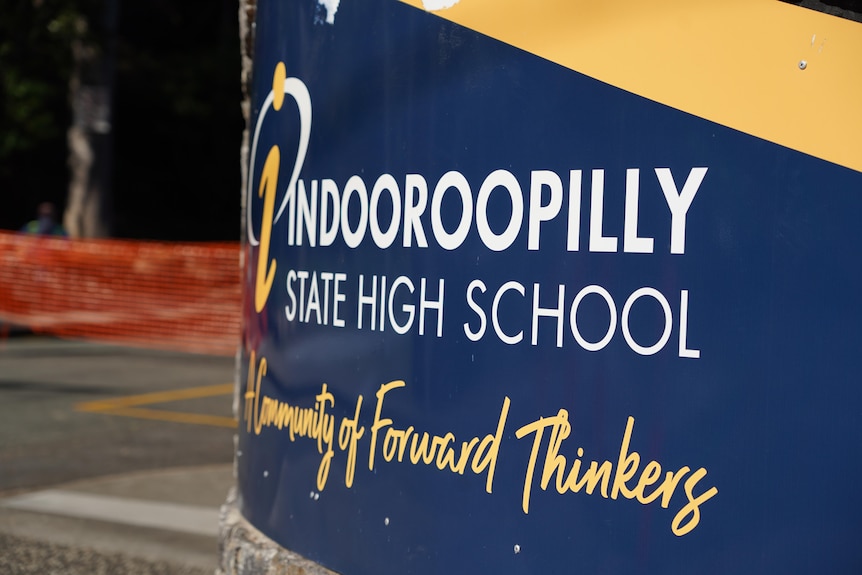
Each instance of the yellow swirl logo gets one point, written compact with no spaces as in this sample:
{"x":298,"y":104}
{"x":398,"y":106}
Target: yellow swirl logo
{"x":268,"y":186}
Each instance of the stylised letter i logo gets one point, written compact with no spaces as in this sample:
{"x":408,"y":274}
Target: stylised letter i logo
{"x":267,"y":189}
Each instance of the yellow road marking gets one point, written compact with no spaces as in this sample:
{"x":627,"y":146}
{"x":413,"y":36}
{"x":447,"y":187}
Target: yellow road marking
{"x":157,"y":397}
{"x":129,"y":406}
{"x":175,"y":416}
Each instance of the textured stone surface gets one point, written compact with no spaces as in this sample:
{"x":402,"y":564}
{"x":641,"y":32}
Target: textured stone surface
{"x":243,"y":550}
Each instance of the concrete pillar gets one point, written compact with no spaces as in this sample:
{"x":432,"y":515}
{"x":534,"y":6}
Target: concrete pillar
{"x":243,"y":550}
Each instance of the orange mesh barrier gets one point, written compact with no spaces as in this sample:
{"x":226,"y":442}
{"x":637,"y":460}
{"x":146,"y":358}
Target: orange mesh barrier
{"x":160,"y":295}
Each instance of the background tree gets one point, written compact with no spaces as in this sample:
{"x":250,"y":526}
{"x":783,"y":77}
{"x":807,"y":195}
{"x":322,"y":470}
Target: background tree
{"x":175,"y":120}
{"x":35,"y":62}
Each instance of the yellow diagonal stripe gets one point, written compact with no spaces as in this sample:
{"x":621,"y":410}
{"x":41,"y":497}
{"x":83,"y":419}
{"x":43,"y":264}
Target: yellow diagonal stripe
{"x":735,"y":62}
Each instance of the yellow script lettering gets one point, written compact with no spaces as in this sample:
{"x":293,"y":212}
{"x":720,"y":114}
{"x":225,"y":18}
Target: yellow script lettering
{"x":440,"y":450}
{"x":599,"y":474}
{"x":349,"y":435}
{"x":692,"y":508}
{"x":268,"y":183}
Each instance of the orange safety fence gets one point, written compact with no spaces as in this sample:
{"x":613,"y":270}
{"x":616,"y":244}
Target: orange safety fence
{"x":176,"y":296}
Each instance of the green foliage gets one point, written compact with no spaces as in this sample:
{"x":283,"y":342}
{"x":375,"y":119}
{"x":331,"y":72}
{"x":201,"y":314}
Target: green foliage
{"x":35,"y":62}
{"x":176,"y":111}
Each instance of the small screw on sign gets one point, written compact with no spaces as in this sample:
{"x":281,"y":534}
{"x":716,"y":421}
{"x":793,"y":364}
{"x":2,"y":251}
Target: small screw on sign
{"x":803,"y":64}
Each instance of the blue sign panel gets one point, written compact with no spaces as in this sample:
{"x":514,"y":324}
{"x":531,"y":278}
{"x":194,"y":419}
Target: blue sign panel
{"x":502,"y":317}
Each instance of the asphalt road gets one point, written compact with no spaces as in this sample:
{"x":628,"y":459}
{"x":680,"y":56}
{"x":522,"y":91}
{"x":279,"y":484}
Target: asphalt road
{"x":72,"y":411}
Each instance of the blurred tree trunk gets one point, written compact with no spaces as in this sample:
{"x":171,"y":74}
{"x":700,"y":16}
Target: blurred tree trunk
{"x":90,"y":137}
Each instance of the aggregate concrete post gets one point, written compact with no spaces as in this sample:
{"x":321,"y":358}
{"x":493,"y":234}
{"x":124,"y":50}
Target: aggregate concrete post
{"x":243,"y":550}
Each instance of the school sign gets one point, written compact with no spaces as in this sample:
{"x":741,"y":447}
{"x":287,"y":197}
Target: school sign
{"x":527,"y":291}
